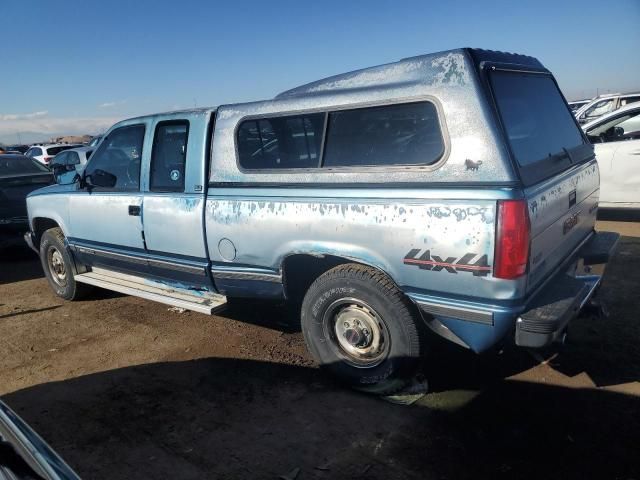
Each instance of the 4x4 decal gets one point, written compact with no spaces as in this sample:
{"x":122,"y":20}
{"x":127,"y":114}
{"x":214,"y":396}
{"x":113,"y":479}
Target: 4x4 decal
{"x":426,"y":261}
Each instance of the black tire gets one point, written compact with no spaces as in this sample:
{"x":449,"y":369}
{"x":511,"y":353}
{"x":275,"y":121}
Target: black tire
{"x":58,"y":267}
{"x":343,"y":300}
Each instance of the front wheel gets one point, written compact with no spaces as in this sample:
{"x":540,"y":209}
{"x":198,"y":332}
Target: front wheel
{"x":361,"y":327}
{"x":57,"y":266}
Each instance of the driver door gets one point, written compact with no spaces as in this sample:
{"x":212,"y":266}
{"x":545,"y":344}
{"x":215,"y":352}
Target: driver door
{"x":105,"y":221}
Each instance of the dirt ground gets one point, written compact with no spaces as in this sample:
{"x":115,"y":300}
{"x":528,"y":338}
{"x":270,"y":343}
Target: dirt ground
{"x":123,"y":388}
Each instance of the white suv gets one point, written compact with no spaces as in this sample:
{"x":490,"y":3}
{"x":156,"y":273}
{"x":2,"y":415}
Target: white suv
{"x":45,"y":153}
{"x":605,"y":104}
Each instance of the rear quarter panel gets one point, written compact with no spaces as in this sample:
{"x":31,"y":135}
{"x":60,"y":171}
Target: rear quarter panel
{"x":423,"y":242}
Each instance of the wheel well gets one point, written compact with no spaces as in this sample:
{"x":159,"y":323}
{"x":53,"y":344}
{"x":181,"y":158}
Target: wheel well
{"x":299,"y":271}
{"x":41,"y":225}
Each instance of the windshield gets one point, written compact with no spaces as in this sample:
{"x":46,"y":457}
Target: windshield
{"x":19,"y":165}
{"x":535,"y":116}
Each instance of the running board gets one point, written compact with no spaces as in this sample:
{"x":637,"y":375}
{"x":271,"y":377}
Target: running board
{"x":198,"y":301}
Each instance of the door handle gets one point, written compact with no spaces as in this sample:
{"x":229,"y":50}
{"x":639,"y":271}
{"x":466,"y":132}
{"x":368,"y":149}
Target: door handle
{"x":134,"y":210}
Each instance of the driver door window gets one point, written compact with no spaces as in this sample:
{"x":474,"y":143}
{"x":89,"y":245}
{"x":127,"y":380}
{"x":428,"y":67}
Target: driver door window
{"x":119,"y":155}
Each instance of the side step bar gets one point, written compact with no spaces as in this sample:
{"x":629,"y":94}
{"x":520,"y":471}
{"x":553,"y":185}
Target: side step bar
{"x":203,"y":302}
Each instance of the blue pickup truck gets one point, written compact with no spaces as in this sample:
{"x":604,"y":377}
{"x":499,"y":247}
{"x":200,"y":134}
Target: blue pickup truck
{"x":452,"y":191}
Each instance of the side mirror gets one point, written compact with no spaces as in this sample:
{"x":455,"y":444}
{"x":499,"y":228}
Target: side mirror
{"x":100,"y":178}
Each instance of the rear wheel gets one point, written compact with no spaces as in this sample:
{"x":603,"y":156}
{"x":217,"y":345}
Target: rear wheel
{"x":57,"y":266}
{"x":362,"y":328}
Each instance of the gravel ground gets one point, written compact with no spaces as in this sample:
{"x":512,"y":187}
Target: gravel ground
{"x":124,"y":388}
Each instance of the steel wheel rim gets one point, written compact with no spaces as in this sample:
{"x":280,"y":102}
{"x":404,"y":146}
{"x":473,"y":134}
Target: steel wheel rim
{"x":357,"y":332}
{"x":55,"y":262}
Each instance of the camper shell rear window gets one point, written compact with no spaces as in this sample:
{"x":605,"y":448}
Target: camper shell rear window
{"x":542,"y":134}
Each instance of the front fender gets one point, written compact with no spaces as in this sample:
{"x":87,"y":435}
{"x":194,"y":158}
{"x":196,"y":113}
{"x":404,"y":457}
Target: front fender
{"x":52,"y":207}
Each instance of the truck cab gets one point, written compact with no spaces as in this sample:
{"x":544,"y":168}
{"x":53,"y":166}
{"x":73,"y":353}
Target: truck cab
{"x":451,"y":192}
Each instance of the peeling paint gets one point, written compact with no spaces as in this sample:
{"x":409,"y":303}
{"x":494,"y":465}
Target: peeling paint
{"x":454,"y":71}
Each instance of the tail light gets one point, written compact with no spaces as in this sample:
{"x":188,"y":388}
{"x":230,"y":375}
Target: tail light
{"x":47,"y":159}
{"x":512,"y":239}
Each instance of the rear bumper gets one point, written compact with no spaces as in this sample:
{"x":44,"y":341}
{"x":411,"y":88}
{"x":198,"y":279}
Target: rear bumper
{"x":539,"y":319}
{"x":548,"y":313}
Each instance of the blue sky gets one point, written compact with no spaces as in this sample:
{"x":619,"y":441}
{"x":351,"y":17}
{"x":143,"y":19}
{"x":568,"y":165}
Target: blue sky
{"x":71,"y":66}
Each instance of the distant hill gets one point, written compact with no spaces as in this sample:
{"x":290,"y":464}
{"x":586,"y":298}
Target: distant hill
{"x":28,"y":138}
{"x":72,"y":139}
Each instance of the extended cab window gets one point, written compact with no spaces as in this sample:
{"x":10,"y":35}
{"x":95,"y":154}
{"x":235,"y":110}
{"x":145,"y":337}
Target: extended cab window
{"x":168,"y":156}
{"x":119,"y":155}
{"x":405,"y":134}
{"x":541,"y":131}
{"x":281,"y":142}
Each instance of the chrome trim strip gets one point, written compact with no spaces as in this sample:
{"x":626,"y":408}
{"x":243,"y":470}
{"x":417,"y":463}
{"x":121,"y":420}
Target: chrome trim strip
{"x":200,"y":270}
{"x":468,"y":314}
{"x":178,"y":266}
{"x":246,"y":275}
{"x":107,"y":254}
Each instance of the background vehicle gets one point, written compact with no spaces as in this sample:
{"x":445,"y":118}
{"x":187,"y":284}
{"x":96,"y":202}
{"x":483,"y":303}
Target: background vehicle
{"x":616,"y":138}
{"x":604,"y":104}
{"x":578,"y":104}
{"x":451,"y":191}
{"x":45,"y":153}
{"x":24,"y":455}
{"x":19,"y":175}
{"x":17,"y":148}
{"x":68,"y":163}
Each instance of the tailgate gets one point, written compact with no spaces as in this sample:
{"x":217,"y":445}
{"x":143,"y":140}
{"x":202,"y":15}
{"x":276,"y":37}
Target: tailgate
{"x":555,"y":162}
{"x":562,"y":212}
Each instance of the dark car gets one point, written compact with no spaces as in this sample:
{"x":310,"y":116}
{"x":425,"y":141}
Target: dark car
{"x":26,"y":456}
{"x":19,"y":176}
{"x":17,"y":148}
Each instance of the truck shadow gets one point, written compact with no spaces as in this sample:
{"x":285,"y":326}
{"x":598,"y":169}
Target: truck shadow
{"x":230,"y":418}
{"x":18,"y":264}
